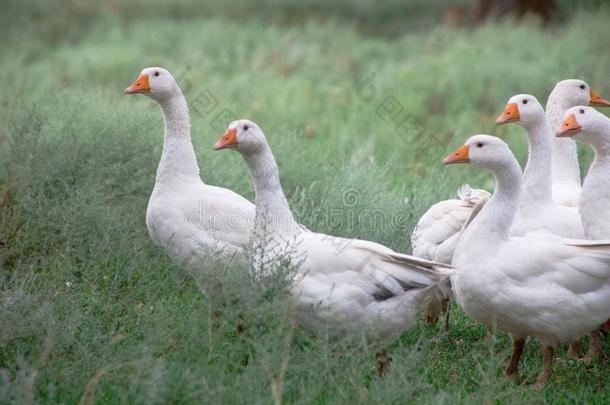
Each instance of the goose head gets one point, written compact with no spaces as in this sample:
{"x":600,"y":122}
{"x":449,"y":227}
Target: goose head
{"x":484,"y":151}
{"x":156,"y":83}
{"x":522,"y":108}
{"x":586,"y":125}
{"x":577,"y":92}
{"x":244,"y":136}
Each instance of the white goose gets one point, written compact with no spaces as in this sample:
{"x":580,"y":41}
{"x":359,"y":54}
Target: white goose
{"x":538,"y":211}
{"x":186,"y":217}
{"x":565,"y":167}
{"x":566,"y":170}
{"x":540,"y":285}
{"x":353,"y":285}
{"x":592,"y":128}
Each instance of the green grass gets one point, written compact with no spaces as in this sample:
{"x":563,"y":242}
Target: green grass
{"x":91,"y":310}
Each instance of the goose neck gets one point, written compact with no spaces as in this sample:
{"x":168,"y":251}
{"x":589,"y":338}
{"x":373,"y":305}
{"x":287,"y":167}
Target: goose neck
{"x":598,"y":136}
{"x":537,"y":174}
{"x":178,"y":160}
{"x":600,"y":167}
{"x":176,"y":116}
{"x":493,"y":224}
{"x":555,"y":107}
{"x":565,"y":166}
{"x":595,"y":193}
{"x":273,"y":214}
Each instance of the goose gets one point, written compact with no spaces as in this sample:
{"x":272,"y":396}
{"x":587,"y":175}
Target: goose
{"x":352,"y":284}
{"x":538,"y":210}
{"x":186,"y":217}
{"x":565,"y":168}
{"x":434,"y":238}
{"x":590,"y":127}
{"x":540,"y":285}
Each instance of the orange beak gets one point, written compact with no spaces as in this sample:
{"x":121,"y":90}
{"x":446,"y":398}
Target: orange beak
{"x":596,"y":99}
{"x":139,"y":86}
{"x":510,"y":114}
{"x":569,"y":127}
{"x":460,"y":155}
{"x":228,"y":140}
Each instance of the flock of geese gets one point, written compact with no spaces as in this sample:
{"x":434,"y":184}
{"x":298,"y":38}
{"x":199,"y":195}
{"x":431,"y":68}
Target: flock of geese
{"x":531,"y":259}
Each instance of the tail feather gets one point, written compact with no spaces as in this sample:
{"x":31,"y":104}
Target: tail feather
{"x":438,"y":273}
{"x":600,"y":244}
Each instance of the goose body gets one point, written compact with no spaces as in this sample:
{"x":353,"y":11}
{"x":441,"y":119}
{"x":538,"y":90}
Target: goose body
{"x":365,"y":286}
{"x":193,"y":221}
{"x":342,"y":285}
{"x":186,"y":217}
{"x":545,"y":286}
{"x":540,"y":285}
{"x":436,"y":233}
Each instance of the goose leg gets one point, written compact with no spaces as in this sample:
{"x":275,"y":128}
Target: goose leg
{"x":595,"y":345}
{"x":383,"y":362}
{"x":575,"y":350}
{"x":512,"y":370}
{"x":547,"y":369}
{"x":606,"y":327}
{"x":447,"y":307}
{"x":433,"y":310}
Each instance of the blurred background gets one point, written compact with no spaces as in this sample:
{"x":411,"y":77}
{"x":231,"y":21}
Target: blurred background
{"x":65,"y":19}
{"x":359,"y":99}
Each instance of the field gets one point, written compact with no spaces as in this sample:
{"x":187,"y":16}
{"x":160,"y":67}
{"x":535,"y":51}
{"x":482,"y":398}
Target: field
{"x":359,"y":118}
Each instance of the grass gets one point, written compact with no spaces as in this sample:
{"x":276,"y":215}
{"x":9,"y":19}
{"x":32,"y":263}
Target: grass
{"x":92,"y":311}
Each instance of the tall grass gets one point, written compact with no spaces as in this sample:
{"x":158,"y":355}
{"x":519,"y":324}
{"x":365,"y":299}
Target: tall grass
{"x":92,"y":311}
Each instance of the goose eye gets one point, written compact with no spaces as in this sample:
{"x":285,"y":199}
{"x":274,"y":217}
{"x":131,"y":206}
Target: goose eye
{"x":480,"y":145}
{"x":524,"y":101}
{"x":156,"y":73}
{"x":582,"y":110}
{"x":582,"y":86}
{"x":246,"y":127}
